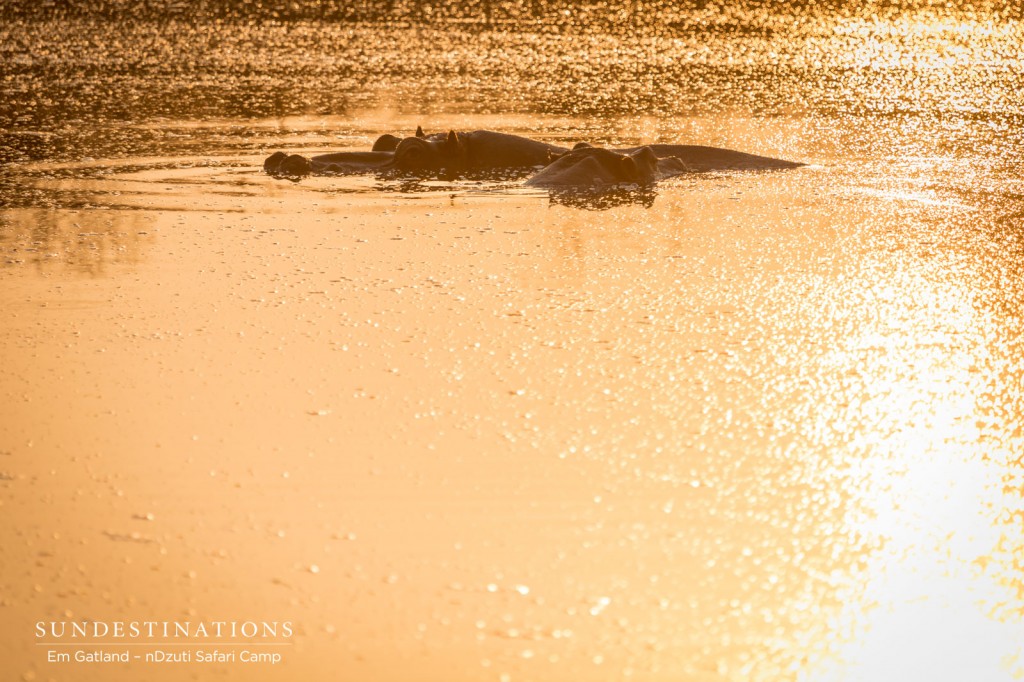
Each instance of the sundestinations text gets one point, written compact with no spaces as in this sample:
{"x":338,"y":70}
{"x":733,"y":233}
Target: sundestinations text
{"x":150,"y":629}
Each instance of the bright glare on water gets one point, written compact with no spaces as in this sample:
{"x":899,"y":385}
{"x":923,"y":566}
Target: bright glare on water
{"x":743,"y":426}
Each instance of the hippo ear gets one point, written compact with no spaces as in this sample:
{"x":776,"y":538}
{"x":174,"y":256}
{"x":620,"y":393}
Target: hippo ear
{"x":419,"y":132}
{"x":454,"y":143}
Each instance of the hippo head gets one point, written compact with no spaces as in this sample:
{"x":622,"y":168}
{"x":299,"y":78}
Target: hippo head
{"x":587,"y":166}
{"x":287,"y":165}
{"x":432,"y":153}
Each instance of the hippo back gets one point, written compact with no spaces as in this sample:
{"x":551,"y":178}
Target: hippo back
{"x":701,"y":158}
{"x":488,"y":149}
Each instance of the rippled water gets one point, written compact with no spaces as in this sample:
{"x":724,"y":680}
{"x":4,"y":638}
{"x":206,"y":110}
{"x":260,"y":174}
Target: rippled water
{"x":745,"y":426}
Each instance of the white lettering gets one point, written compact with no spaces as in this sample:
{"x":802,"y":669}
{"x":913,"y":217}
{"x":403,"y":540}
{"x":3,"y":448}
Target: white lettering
{"x":254,"y":657}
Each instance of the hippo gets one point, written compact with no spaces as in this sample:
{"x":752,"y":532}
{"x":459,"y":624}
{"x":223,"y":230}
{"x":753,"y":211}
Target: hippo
{"x":340,"y":163}
{"x":454,"y":152}
{"x":593,"y":167}
{"x":701,"y":159}
{"x":476,"y":150}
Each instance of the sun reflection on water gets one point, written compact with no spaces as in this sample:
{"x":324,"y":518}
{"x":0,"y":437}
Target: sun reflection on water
{"x":931,"y":489}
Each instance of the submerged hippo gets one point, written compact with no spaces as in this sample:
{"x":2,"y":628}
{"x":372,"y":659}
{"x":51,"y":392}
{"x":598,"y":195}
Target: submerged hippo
{"x":701,"y":159}
{"x":477,"y":150}
{"x":341,"y":163}
{"x":452,"y":152}
{"x":593,"y":167}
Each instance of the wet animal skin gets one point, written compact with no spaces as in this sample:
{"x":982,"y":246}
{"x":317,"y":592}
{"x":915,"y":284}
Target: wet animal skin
{"x":587,"y":166}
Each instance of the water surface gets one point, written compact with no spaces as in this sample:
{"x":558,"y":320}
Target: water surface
{"x":746,"y":426}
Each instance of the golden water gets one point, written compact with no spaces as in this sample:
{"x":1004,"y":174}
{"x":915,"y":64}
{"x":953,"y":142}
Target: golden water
{"x":761,"y":426}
